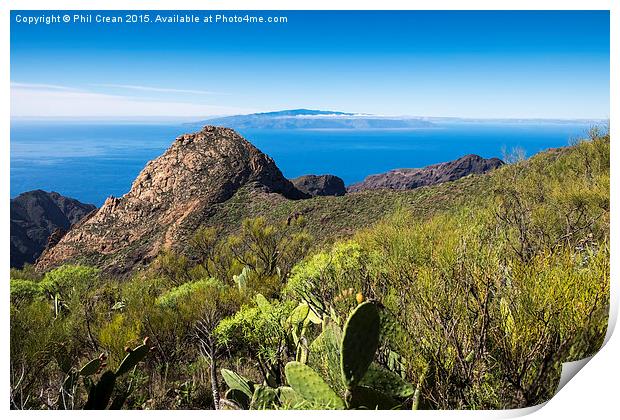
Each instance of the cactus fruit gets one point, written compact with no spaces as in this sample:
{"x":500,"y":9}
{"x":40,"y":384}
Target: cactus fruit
{"x":91,"y":367}
{"x":308,"y":384}
{"x":359,"y":343}
{"x":238,"y":382}
{"x":387,"y":382}
{"x":100,"y":394}
{"x":359,"y":298}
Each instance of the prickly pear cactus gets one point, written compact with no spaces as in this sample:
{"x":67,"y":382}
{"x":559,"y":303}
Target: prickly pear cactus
{"x":91,"y":367}
{"x":387,"y":382}
{"x":288,"y":398}
{"x":100,"y":394}
{"x":133,"y":357}
{"x":324,"y":355}
{"x":264,"y":398}
{"x":301,"y":355}
{"x":309,"y":385}
{"x":359,"y":343}
{"x":241,"y":280}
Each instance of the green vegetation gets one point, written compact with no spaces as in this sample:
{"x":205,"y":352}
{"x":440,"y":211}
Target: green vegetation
{"x":466,"y":295}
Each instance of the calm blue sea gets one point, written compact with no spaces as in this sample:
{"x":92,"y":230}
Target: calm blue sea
{"x":90,"y":161}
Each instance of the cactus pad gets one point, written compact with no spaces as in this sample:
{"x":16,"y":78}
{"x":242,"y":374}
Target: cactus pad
{"x":387,"y":382}
{"x":91,"y":367}
{"x":289,"y":399}
{"x":134,"y":357}
{"x":99,"y":395}
{"x":264,"y":398}
{"x":359,"y":343}
{"x":309,"y":385}
{"x":299,"y":314}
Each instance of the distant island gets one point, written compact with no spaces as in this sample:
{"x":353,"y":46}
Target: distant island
{"x":314,"y":119}
{"x":309,"y":119}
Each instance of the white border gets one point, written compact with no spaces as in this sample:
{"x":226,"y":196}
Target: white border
{"x":592,"y":394}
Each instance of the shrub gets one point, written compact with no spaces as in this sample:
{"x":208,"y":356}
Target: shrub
{"x":24,"y":290}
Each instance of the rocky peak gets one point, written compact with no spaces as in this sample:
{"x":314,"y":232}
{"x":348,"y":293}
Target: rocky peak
{"x":169,"y":199}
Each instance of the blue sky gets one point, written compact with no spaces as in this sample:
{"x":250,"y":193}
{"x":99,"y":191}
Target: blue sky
{"x":513,"y":64}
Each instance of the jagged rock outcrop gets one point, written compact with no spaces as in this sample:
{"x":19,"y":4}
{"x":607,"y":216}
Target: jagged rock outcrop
{"x":169,"y":200}
{"x":320,"y":185}
{"x":38,"y":215}
{"x":406,"y":179}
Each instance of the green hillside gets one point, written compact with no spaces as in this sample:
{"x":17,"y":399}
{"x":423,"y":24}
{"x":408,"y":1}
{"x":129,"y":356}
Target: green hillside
{"x":465,"y":295}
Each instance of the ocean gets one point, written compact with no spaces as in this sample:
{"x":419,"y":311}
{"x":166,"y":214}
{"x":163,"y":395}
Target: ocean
{"x":90,"y":161}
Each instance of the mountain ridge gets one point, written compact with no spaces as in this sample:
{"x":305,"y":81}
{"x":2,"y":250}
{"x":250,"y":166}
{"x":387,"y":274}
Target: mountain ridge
{"x":36,"y":216}
{"x":411,"y":178}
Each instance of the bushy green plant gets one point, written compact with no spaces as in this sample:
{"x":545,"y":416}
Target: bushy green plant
{"x":329,"y":281}
{"x":69,"y":279}
{"x":260,"y":330}
{"x":25,"y":290}
{"x":172,"y":266}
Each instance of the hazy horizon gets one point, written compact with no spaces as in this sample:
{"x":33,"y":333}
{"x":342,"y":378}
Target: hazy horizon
{"x":198,"y":118}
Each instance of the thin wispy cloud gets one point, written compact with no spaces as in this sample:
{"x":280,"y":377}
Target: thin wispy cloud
{"x":158,"y":89}
{"x":42,"y":86}
{"x":48,"y":100}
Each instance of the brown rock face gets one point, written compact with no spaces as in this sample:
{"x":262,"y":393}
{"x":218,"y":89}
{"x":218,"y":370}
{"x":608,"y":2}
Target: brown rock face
{"x":37,"y":216}
{"x":320,"y":185}
{"x":407,"y":179}
{"x":168,"y":200}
